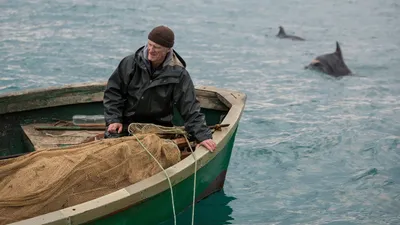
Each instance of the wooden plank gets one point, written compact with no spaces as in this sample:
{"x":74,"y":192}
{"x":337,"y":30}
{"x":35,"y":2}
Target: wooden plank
{"x":212,"y":103}
{"x":42,"y":139}
{"x":50,"y":97}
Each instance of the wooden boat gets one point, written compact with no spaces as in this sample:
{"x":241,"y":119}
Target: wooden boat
{"x":145,"y":202}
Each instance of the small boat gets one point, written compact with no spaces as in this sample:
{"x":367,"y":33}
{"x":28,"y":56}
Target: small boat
{"x":145,"y":202}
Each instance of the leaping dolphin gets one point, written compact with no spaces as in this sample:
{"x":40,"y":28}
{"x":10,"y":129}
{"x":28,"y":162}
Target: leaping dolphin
{"x":331,"y":63}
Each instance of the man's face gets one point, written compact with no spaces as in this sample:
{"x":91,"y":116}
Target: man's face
{"x":156,"y":52}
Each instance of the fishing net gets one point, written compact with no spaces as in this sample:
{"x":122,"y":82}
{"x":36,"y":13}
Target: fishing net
{"x":51,"y":179}
{"x":147,"y":128}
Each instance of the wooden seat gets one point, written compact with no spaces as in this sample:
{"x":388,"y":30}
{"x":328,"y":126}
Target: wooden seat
{"x":40,"y":139}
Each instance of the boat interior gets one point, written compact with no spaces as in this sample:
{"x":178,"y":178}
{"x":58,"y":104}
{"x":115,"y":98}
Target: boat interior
{"x":24,"y":132}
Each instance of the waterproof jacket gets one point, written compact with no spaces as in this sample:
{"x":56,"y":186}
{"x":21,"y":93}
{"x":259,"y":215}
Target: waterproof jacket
{"x":135,"y":94}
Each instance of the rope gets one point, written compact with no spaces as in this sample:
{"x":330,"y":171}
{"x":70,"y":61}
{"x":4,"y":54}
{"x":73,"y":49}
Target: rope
{"x":131,"y":130}
{"x":165,"y":172}
{"x":194,"y":180}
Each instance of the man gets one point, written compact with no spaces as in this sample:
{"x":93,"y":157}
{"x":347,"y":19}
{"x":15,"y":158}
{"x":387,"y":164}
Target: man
{"x":147,"y":85}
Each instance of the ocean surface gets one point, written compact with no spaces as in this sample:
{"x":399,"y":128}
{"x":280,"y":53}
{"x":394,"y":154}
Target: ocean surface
{"x":310,"y":149}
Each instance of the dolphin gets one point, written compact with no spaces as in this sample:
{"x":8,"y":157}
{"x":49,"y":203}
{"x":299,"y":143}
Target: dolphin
{"x":282,"y":34}
{"x":331,"y":63}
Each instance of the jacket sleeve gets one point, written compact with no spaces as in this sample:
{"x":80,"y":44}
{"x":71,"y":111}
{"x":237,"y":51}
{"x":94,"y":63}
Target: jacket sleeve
{"x":113,"y":99}
{"x":189,"y":108}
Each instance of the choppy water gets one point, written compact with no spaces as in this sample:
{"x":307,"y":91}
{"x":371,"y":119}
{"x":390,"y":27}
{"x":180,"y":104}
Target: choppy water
{"x":310,"y":149}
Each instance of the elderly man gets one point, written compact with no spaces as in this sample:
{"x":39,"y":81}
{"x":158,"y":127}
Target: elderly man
{"x":146,"y":86}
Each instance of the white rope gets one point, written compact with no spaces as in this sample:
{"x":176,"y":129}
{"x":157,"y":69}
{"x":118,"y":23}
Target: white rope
{"x":169,"y":181}
{"x":194,"y":179}
{"x":165,"y":172}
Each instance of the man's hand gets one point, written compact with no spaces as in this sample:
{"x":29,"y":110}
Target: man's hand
{"x":115,"y":128}
{"x":209,"y":144}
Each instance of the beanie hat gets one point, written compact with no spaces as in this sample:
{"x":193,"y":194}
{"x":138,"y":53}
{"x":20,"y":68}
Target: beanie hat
{"x":163,"y":36}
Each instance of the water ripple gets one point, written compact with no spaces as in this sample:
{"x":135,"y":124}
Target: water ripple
{"x":310,"y":149}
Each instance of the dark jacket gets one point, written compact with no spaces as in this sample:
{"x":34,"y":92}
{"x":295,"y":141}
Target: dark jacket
{"x":135,"y":94}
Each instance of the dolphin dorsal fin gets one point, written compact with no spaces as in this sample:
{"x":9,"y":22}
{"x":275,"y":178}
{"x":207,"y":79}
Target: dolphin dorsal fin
{"x":281,"y":31}
{"x":338,"y":50}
